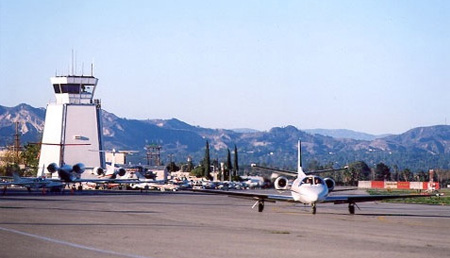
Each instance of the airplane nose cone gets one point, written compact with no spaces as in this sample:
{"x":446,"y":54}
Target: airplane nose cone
{"x":312,"y":197}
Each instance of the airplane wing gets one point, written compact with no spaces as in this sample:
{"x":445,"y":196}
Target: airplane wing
{"x":253,"y":196}
{"x":277,"y":170}
{"x":293,"y":173}
{"x":350,"y":199}
{"x":334,"y":199}
{"x":370,"y":198}
{"x":121,"y":181}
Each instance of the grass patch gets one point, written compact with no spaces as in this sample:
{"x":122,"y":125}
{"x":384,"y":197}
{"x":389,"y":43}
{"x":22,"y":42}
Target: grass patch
{"x":441,"y":200}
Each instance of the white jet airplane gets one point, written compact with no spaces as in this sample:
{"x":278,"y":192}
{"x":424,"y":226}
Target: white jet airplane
{"x":144,"y":183}
{"x":308,"y":189}
{"x":111,"y":171}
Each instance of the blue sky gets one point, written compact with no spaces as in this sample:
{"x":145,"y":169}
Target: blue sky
{"x":371,"y":66}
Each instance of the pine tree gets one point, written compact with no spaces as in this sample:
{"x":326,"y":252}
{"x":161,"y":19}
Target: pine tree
{"x":235,"y":165}
{"x":229,"y":166}
{"x":206,"y":162}
{"x":382,"y":172}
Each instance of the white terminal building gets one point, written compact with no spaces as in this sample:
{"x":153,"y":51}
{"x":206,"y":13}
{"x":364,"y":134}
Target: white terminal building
{"x":73,"y":125}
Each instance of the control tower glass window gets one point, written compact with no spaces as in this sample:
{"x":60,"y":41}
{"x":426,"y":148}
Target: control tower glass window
{"x":87,"y":89}
{"x":71,"y":88}
{"x":57,"y":88}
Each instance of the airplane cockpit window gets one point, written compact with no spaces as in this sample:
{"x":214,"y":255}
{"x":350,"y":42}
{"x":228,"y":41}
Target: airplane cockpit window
{"x":311,"y":180}
{"x":307,"y":180}
{"x":318,"y":181}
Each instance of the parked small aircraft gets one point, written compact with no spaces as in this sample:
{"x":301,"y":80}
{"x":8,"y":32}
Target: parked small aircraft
{"x":111,"y":171}
{"x":308,"y":189}
{"x":71,"y":174}
{"x":144,"y":183}
{"x":33,"y":183}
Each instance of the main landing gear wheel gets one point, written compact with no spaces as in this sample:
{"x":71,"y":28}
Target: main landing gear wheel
{"x":260,"y":204}
{"x":351,"y":208}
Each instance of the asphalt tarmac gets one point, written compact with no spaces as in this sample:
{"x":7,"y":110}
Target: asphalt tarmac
{"x":185,"y":224}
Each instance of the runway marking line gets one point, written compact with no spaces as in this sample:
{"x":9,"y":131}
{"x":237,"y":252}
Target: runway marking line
{"x":61,"y":242}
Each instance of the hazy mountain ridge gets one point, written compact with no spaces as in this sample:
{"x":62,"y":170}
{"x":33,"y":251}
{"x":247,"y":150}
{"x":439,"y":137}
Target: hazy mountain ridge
{"x":31,"y":123}
{"x":345,"y":133}
{"x":418,"y":148}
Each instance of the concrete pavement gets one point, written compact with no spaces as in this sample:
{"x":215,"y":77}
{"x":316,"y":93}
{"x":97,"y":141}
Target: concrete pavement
{"x":185,"y":224}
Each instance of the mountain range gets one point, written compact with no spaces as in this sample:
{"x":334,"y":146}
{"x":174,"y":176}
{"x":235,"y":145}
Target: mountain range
{"x":417,"y":149}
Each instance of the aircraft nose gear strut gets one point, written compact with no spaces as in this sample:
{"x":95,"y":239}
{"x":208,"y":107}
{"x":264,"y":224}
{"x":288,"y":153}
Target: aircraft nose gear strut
{"x":260,"y":204}
{"x":313,"y":208}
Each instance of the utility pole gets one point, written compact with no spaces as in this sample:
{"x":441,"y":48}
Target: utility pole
{"x":16,"y":147}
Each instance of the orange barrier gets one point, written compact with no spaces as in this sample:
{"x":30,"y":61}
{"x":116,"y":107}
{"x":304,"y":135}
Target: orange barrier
{"x":377,"y":184}
{"x":403,"y":185}
{"x":399,"y":185}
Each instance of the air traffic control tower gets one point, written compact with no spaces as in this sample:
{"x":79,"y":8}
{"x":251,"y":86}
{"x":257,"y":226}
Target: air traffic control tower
{"x":73,"y":126}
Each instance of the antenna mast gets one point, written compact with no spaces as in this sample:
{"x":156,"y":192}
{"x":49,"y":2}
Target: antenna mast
{"x":17,"y":143}
{"x":72,"y":63}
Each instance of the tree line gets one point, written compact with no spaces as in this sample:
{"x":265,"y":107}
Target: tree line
{"x":360,"y":171}
{"x":28,"y":158}
{"x":227,"y":170}
{"x":24,"y":161}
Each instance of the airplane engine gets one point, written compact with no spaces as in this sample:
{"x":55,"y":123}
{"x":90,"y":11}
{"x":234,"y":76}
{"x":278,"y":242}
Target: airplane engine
{"x":281,"y":183}
{"x":149,"y":175}
{"x":121,"y":171}
{"x":78,"y":168}
{"x":52,"y":168}
{"x":330,"y":183}
{"x":99,"y":171}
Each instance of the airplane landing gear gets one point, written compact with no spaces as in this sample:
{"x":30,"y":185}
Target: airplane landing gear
{"x":313,"y":208}
{"x":351,"y":208}
{"x":260,"y":204}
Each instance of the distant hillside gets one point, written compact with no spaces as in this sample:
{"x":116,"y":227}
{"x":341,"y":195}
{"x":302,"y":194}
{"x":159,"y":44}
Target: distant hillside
{"x":31,"y":123}
{"x":244,"y":130}
{"x":418,"y":149}
{"x":174,"y":135}
{"x":344,"y":133}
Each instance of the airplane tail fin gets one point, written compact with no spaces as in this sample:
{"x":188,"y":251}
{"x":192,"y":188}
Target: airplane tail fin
{"x":300,"y":172}
{"x":16,"y":177}
{"x":139,"y":175}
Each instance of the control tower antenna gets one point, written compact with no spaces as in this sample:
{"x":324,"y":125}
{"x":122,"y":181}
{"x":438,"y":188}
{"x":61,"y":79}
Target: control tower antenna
{"x":72,"y":64}
{"x":76,"y":64}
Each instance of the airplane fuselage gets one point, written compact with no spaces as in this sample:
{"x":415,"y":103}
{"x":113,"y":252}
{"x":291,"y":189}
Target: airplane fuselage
{"x":309,"y":190}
